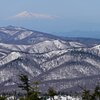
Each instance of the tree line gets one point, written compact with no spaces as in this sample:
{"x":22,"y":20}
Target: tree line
{"x":32,"y":91}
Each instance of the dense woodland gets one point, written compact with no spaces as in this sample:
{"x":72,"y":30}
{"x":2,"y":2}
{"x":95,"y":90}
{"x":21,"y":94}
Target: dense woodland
{"x":32,"y":92}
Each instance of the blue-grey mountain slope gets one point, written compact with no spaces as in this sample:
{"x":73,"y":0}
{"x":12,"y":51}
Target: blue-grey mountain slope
{"x":54,"y":61}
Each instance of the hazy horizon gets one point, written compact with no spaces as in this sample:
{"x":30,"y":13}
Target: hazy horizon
{"x":55,"y":16}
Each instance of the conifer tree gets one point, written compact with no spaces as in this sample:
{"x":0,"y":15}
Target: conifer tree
{"x":25,"y":85}
{"x":51,"y":93}
{"x":32,"y":91}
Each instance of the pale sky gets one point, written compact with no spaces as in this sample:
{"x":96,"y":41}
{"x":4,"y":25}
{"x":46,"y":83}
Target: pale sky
{"x":52,"y":16}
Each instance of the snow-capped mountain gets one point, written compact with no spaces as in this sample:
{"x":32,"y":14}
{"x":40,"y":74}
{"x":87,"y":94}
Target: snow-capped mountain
{"x":50,"y":59}
{"x":96,"y":49}
{"x":18,"y":35}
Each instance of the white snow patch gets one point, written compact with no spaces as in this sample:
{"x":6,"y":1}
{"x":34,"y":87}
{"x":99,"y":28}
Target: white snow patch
{"x":76,"y":44}
{"x":65,"y":98}
{"x":23,"y":35}
{"x":12,"y":56}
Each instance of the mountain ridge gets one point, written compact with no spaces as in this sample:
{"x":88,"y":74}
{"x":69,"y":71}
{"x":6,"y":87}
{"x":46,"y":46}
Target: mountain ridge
{"x":47,"y":58}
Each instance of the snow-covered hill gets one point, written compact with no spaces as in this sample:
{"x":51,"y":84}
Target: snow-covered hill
{"x":50,"y":59}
